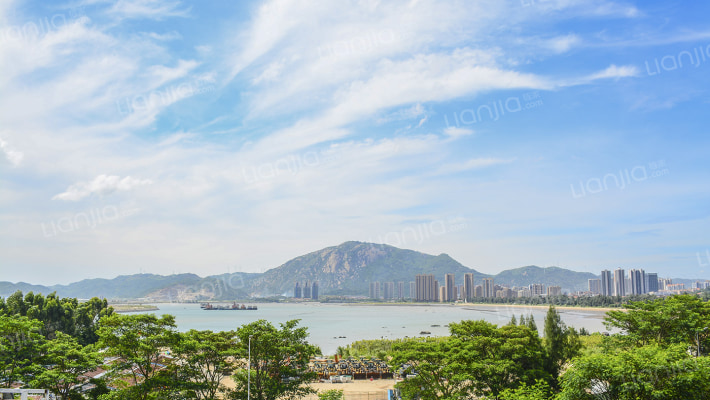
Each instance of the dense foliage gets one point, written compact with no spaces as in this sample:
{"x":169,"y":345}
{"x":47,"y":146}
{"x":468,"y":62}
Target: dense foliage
{"x":658,"y":352}
{"x":65,"y":315}
{"x":279,"y":361}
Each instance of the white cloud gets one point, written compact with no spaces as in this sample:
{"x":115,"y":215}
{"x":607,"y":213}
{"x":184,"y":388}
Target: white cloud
{"x":456,"y":132}
{"x":15,"y":157}
{"x":563,"y":44}
{"x":150,"y":9}
{"x":614,"y":72}
{"x":102,"y":185}
{"x":474,"y":163}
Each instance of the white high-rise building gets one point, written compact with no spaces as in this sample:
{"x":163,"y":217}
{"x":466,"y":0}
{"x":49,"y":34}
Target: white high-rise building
{"x":619,"y":282}
{"x":607,"y":283}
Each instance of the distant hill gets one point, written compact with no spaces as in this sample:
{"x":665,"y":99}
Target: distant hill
{"x":348,"y":269}
{"x":8,"y":288}
{"x":552,"y":276}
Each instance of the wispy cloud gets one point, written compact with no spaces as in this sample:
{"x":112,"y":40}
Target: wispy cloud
{"x":13,"y":156}
{"x":101,"y":185}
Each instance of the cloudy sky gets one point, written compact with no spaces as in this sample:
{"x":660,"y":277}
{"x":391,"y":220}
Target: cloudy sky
{"x":162,"y":136}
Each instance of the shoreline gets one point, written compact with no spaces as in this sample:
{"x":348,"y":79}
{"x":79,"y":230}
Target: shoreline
{"x":488,"y":305}
{"x":130,"y":308}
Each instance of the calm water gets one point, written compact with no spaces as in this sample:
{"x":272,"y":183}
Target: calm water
{"x":327,"y":322}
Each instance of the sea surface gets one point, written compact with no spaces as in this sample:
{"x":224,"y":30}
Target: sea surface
{"x":333,"y":325}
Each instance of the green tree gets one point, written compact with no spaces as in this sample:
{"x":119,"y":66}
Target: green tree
{"x":66,"y":362}
{"x":513,"y":321}
{"x":205,"y":359}
{"x":675,"y":319}
{"x":138,"y":342}
{"x":20,"y":344}
{"x":332,"y":394}
{"x":279,"y":360}
{"x":495,"y":358}
{"x":647,"y":372}
{"x":530,"y":323}
{"x":561,"y":344}
{"x":539,"y":391}
{"x":87,"y":317}
{"x":429,"y":368}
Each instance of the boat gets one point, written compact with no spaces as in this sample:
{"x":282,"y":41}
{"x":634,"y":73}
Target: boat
{"x":425,"y":333}
{"x":234,"y":306}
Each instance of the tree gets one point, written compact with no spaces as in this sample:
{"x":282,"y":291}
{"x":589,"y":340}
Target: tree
{"x":647,"y":372}
{"x":513,"y":321}
{"x":561,"y":344}
{"x":429,"y":368}
{"x":20,"y":344}
{"x":332,"y":394}
{"x":138,"y":341}
{"x":675,"y":319}
{"x":478,"y":359}
{"x":205,"y":359}
{"x":66,"y":362}
{"x":495,"y":358}
{"x":531,"y":323}
{"x":87,"y":317}
{"x":279,"y":361}
{"x":539,"y":391}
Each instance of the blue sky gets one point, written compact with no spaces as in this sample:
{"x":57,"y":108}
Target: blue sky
{"x":163,"y":136}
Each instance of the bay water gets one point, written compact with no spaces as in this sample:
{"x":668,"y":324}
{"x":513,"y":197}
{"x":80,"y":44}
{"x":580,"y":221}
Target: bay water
{"x":332,"y":325}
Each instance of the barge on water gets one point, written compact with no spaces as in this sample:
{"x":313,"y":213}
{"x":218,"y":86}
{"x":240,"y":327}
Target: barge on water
{"x":234,"y":306}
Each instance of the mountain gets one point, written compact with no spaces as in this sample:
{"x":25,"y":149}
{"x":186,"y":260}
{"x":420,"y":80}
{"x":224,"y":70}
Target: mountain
{"x":551,"y":276}
{"x":8,"y":288}
{"x":348,"y":269}
{"x":124,"y":286}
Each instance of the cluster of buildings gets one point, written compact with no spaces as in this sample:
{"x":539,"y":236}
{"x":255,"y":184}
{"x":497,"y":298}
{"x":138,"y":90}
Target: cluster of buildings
{"x":636,"y":282}
{"x":426,"y":288}
{"x":306,"y":291}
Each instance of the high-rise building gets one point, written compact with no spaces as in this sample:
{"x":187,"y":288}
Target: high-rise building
{"x":388,"y":290}
{"x":412,"y":290}
{"x":297,"y":293}
{"x":651,"y":282}
{"x":537,"y":289}
{"x":619,"y":282}
{"x":468,"y":286}
{"x":607,"y":283}
{"x":505,"y":293}
{"x":374,"y":290}
{"x":400,"y":290}
{"x":488,"y":287}
{"x":427,"y":287}
{"x":525,"y":292}
{"x":307,"y":290}
{"x":595,"y":286}
{"x":314,"y":291}
{"x":663,"y":283}
{"x":450,"y":284}
{"x":554,"y":290}
{"x":637,"y":279}
{"x":442,"y":294}
{"x":478,"y":291}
